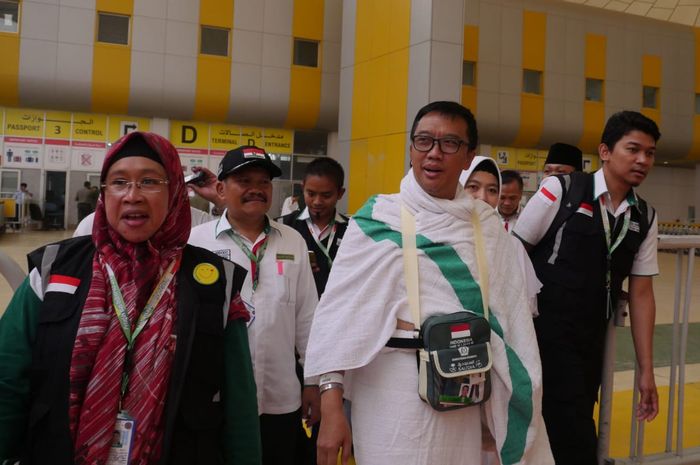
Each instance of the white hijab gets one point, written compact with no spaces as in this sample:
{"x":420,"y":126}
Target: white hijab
{"x":478,"y":160}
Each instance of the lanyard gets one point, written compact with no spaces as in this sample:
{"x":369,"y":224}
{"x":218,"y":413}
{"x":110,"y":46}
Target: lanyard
{"x":123,"y":317}
{"x":324,"y":249}
{"x":611,"y":248}
{"x":256,"y":255}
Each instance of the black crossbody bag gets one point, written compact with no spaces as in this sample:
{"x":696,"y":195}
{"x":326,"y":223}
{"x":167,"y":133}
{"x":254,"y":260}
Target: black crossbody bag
{"x":454,"y":350}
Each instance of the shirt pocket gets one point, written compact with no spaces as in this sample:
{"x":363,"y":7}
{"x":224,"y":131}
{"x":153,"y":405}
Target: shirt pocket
{"x":284,"y":282}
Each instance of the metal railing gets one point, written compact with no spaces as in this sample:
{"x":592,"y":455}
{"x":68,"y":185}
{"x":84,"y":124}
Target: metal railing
{"x":674,"y":453}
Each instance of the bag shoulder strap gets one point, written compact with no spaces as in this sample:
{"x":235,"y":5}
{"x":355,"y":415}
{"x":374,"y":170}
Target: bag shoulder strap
{"x":481,"y":262}
{"x":647,"y":214}
{"x":574,"y":188}
{"x":410,"y":263}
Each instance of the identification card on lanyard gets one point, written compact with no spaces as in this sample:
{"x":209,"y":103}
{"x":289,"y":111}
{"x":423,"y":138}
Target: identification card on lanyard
{"x":122,"y":440}
{"x":122,"y":315}
{"x":611,"y":248}
{"x":326,"y":250}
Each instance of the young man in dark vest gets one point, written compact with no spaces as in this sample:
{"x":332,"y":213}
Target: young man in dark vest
{"x":320,"y":224}
{"x":587,"y":233}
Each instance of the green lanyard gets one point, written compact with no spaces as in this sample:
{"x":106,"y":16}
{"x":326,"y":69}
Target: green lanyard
{"x":324,"y":249}
{"x":256,"y":255}
{"x":611,"y":248}
{"x":123,"y":316}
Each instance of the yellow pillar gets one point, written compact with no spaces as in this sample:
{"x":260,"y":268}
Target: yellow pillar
{"x":379,"y":99}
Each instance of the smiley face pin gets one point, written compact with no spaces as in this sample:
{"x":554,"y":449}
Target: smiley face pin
{"x":205,"y":273}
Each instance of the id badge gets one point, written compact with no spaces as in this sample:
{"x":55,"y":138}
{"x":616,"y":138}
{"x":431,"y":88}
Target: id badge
{"x":122,"y":440}
{"x":251,"y":310}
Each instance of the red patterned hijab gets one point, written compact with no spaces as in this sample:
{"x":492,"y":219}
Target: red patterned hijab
{"x":100,"y":346}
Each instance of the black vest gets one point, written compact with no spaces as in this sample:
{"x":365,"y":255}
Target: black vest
{"x":193,"y":422}
{"x":320,"y":276}
{"x":570,"y":260}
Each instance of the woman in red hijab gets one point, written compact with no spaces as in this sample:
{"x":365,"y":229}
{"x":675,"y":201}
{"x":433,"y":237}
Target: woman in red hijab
{"x":130,"y":346}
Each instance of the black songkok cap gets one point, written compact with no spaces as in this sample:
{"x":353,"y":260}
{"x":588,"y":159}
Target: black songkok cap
{"x":565,"y":154}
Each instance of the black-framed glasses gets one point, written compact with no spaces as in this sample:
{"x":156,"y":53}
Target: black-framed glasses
{"x":146,"y":186}
{"x":447,"y":145}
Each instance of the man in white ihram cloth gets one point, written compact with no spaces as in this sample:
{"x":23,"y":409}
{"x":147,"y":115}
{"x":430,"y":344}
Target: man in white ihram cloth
{"x":366,"y":303}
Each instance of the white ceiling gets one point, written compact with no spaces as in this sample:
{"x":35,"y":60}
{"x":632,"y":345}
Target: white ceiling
{"x":684,"y":12}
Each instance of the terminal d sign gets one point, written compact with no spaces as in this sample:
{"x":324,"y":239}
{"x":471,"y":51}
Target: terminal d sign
{"x":216,"y":139}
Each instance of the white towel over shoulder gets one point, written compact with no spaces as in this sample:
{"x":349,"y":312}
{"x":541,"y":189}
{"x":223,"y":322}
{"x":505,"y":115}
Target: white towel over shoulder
{"x":366,"y":293}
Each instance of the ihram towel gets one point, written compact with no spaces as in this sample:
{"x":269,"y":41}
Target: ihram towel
{"x":366,"y":294}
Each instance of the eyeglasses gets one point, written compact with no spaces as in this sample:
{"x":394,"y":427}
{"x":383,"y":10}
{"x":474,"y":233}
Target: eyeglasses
{"x":145,"y":186}
{"x":448,"y":145}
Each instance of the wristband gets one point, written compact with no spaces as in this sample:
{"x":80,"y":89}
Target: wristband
{"x":328,"y":386}
{"x":332,"y":377}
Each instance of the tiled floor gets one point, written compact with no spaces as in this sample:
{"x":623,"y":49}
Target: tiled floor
{"x":16,"y":245}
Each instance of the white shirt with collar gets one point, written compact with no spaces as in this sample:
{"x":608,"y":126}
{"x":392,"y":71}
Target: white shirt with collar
{"x":318,"y":233}
{"x":541,"y":209}
{"x":284,"y":304}
{"x":510,"y":222}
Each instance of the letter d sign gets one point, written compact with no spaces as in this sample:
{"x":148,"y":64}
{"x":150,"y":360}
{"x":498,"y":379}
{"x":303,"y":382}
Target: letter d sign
{"x":189,"y":134}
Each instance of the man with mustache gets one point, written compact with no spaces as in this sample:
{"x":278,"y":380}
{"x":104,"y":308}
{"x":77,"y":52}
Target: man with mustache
{"x":586,"y":234}
{"x":279,"y":292}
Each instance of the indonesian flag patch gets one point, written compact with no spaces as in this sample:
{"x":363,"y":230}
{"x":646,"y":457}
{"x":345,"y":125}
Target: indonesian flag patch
{"x":546,"y":196}
{"x":61,"y":283}
{"x":253,"y":153}
{"x":460,"y":330}
{"x":586,"y":209}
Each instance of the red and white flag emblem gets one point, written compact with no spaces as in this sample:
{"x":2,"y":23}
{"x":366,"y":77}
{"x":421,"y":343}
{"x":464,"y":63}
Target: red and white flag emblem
{"x":586,"y":209}
{"x":547,"y":196}
{"x":253,"y":153}
{"x":61,"y":283}
{"x":460,"y":330}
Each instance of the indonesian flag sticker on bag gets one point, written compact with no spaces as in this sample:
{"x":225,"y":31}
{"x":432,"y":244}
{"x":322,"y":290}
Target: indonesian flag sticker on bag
{"x":460,"y":330}
{"x":61,"y":283}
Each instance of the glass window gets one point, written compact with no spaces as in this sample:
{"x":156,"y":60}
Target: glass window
{"x":284,"y":162}
{"x":532,"y":81}
{"x":594,"y":90}
{"x":214,"y":41}
{"x":9,"y":183}
{"x":306,"y":53}
{"x":697,"y":104}
{"x":311,"y":142}
{"x":468,"y":73}
{"x":650,"y":97}
{"x":299,"y":164}
{"x":113,"y":29}
{"x":9,"y":16}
